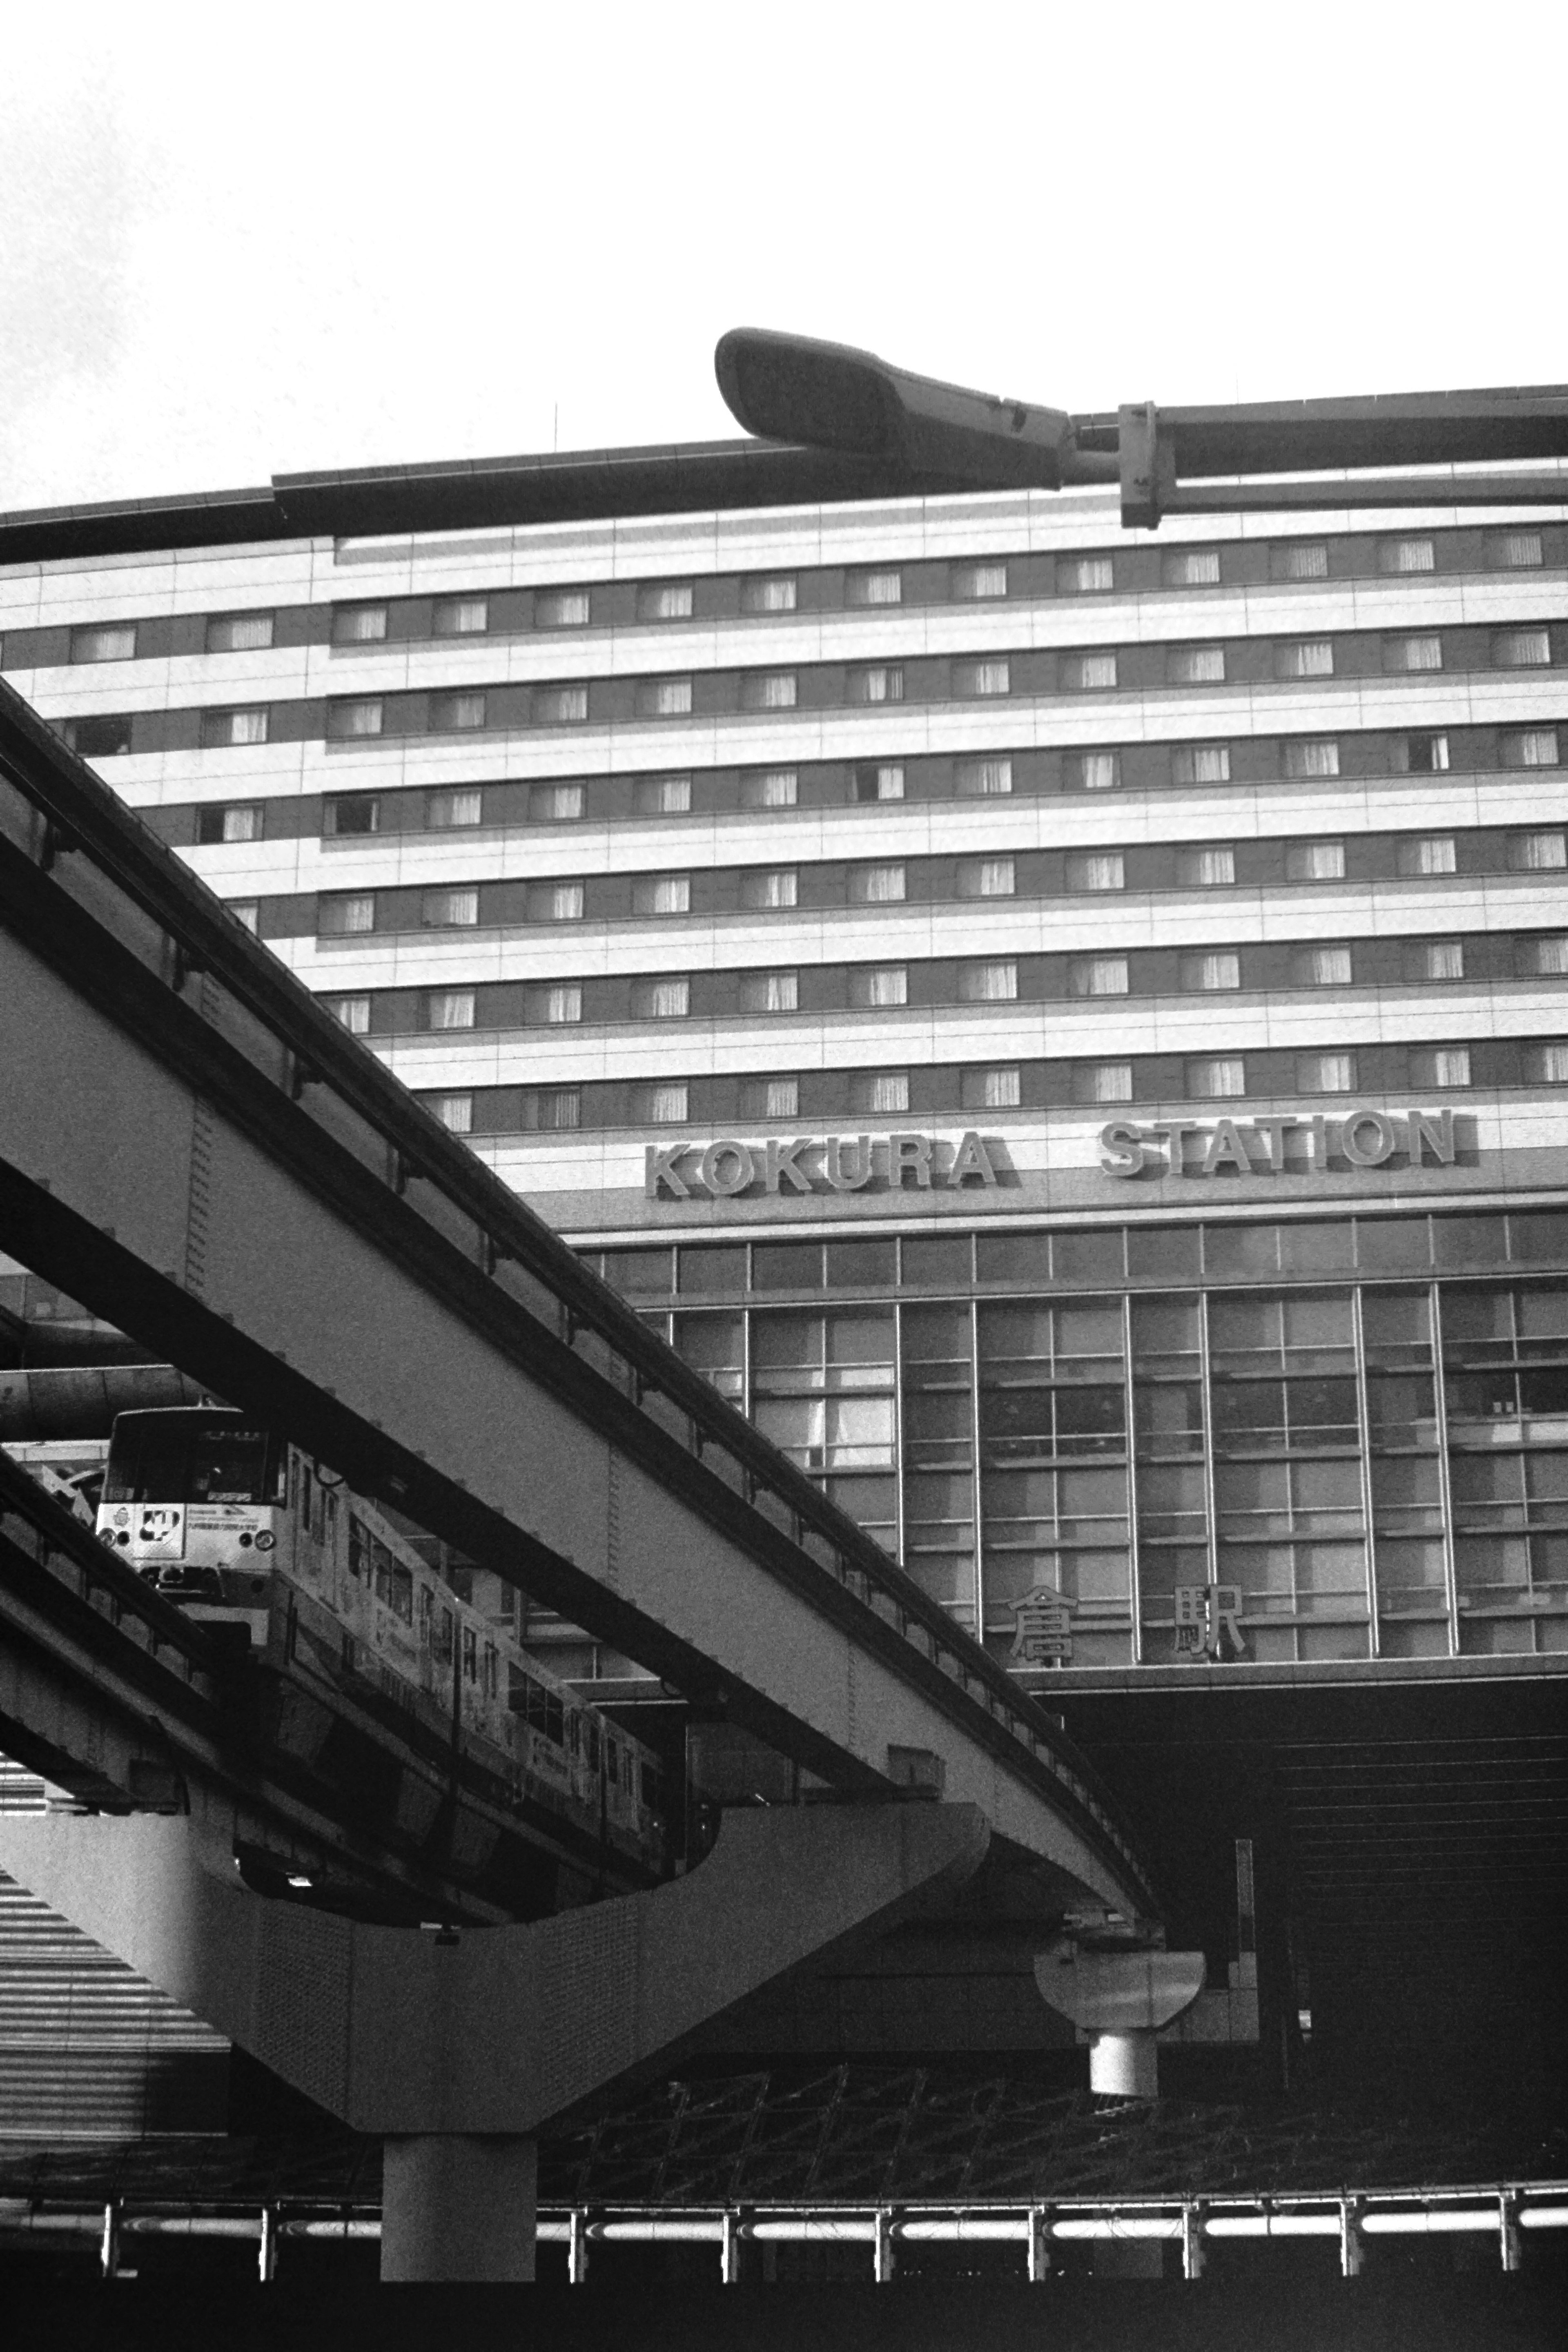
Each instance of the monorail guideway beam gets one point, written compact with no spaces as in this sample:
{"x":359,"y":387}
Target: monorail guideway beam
{"x":455,"y":2049}
{"x":208,"y":1161}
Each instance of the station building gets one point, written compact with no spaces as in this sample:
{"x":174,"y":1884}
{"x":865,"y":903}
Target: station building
{"x":1068,"y":1027}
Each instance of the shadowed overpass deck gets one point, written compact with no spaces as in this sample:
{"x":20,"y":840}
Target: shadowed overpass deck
{"x":190,"y":1143}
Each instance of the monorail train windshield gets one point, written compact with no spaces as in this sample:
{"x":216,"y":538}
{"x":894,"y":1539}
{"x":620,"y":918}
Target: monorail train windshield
{"x":199,"y":1456}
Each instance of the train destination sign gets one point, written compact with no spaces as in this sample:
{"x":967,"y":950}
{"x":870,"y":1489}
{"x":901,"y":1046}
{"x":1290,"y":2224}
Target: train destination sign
{"x":1307,"y":1143}
{"x":816,"y":1163}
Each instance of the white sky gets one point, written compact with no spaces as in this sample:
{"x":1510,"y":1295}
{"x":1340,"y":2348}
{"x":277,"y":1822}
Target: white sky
{"x":236,"y":242}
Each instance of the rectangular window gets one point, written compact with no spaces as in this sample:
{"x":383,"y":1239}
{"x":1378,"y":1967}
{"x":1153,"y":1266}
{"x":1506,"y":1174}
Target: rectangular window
{"x":1214,"y":968}
{"x":1085,"y":575}
{"x":455,"y":1112}
{"x":880,"y":1092}
{"x":770,"y":1099}
{"x":1402,"y":556}
{"x":1421,"y":755}
{"x":1201,"y":763}
{"x":560,"y":608}
{"x":1091,"y":771}
{"x":99,"y":737}
{"x":1548,"y":957}
{"x":1307,"y":561}
{"x":776,"y":888}
{"x":1435,"y":960}
{"x":1315,"y":861}
{"x":980,"y":779}
{"x":347,"y":721}
{"x":992,"y":982}
{"x":1326,"y":1074}
{"x":352,"y":1011}
{"x":558,"y":706}
{"x":1522,"y":649}
{"x":662,"y":1104}
{"x":239,"y":633}
{"x":555,"y":902}
{"x":1096,"y":870}
{"x":669,"y":999}
{"x":445,"y":810}
{"x":665,"y":600}
{"x":1519,"y":551}
{"x":1086,"y":673}
{"x":353,"y":911}
{"x":987,"y":877}
{"x":661,"y":894}
{"x":232,"y":824}
{"x":1305,"y":657}
{"x":1311,"y":758}
{"x":768,"y":689}
{"x":774,"y":593}
{"x":1538,"y":852}
{"x":555,"y":1005}
{"x":1529,"y":746}
{"x":884,"y":783}
{"x":770,"y":992}
{"x":1103,"y":1082}
{"x":461,"y":616}
{"x":447,"y":909}
{"x":874,"y":588}
{"x":973,"y":583}
{"x":104,"y":642}
{"x":555,"y":803}
{"x":457,"y":713}
{"x":1190,"y":567}
{"x":554,"y":1109}
{"x":881,"y":682}
{"x":1409,"y":654}
{"x":876,"y":885}
{"x":1546,"y":1065}
{"x":1211,"y":866}
{"x":771,"y":788}
{"x":660,"y":796}
{"x":876,"y":985}
{"x":990,"y":1089}
{"x":990,"y":675}
{"x":451,"y":1008}
{"x":1327,"y":967}
{"x":222,"y":729}
{"x":1098,"y":976}
{"x":1433,"y":853}
{"x":1224,"y":1073}
{"x":359,"y":624}
{"x":1195,"y":666}
{"x":1440,"y":1065}
{"x":663,"y":697}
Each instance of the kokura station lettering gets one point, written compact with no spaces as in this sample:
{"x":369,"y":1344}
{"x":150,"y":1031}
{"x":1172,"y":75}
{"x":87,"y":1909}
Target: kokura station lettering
{"x":1287,"y":1143}
{"x":816,"y":1163}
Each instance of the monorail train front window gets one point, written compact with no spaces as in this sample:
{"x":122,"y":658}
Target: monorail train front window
{"x":191,"y":1457}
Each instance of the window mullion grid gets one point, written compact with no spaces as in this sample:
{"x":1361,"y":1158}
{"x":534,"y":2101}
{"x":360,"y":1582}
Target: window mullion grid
{"x":1129,"y":1402}
{"x":1363,"y":1428}
{"x":1445,"y":1482}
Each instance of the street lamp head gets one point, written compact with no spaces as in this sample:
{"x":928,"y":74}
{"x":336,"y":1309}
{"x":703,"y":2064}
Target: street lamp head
{"x":790,"y":388}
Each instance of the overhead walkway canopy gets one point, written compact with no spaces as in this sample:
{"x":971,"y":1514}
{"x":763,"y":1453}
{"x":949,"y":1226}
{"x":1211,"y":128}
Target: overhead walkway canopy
{"x":196,"y":1148}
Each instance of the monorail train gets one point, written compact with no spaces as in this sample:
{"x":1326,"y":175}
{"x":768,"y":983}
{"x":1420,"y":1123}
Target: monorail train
{"x":241,"y":1528}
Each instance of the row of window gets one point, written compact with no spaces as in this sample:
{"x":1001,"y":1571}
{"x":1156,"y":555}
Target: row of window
{"x":1089,"y":1257}
{"x":938,"y":1090}
{"x":1255,"y":864}
{"x":1265,"y":967}
{"x":875,"y":587}
{"x":985,"y":677}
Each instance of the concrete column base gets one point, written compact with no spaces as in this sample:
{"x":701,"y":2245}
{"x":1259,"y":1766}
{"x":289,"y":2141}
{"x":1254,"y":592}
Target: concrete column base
{"x":1124,"y":2065}
{"x":456,"y":2208}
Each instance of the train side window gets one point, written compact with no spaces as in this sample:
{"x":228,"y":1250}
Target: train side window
{"x":493,"y":1667}
{"x":401,"y":1592}
{"x":612,"y":1761}
{"x":305,"y":1494}
{"x":470,"y":1655}
{"x":426,"y":1612}
{"x":360,"y":1541}
{"x":441,"y":1643}
{"x":593,"y":1745}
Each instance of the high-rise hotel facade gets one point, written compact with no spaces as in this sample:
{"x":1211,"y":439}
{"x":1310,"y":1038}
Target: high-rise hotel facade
{"x":1069,"y":1027}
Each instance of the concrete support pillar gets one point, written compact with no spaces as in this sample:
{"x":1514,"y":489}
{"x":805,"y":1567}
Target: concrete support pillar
{"x":267,"y":2248}
{"x":1193,"y":2249}
{"x":884,"y":2255}
{"x":577,"y":2248}
{"x":1039,"y":2244}
{"x":730,"y":2251}
{"x":457,"y":2207}
{"x":1352,"y":2245}
{"x":1508,"y":2230}
{"x":1119,"y":1998}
